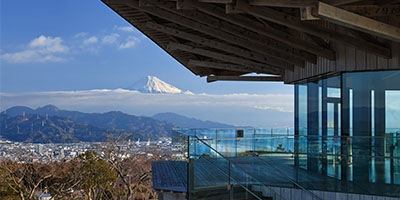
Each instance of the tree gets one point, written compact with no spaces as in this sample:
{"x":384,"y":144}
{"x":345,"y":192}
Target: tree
{"x":23,"y":179}
{"x":97,"y":176}
{"x":133,"y":170}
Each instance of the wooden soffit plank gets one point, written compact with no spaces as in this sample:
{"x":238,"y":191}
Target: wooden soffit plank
{"x":245,"y":78}
{"x":354,"y":21}
{"x":287,"y":20}
{"x":220,"y":46}
{"x":257,"y":67}
{"x":217,"y":65}
{"x":284,"y":3}
{"x":275,"y":34}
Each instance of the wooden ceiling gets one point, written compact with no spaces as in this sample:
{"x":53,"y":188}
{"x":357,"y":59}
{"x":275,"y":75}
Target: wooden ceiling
{"x":225,"y":39}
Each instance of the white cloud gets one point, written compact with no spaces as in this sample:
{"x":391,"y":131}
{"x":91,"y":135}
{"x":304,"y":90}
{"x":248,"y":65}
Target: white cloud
{"x":41,"y":49}
{"x":81,"y":34}
{"x":110,"y":39}
{"x":91,"y":40}
{"x":272,"y":108}
{"x":126,"y":28}
{"x":130,"y":42}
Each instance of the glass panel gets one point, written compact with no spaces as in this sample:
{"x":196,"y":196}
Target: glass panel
{"x":303,"y":121}
{"x":331,"y":119}
{"x":334,"y":92}
{"x":392,"y":114}
{"x":302,"y":109}
{"x":224,"y":143}
{"x":373,"y":101}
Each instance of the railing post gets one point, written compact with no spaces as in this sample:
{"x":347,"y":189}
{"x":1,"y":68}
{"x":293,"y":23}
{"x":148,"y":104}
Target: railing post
{"x":230,"y":187}
{"x":190,"y":179}
{"x":254,"y":140}
{"x":287,"y":140}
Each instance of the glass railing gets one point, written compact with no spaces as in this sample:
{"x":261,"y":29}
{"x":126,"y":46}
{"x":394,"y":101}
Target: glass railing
{"x":214,"y":168}
{"x":277,"y":158}
{"x":215,"y":177}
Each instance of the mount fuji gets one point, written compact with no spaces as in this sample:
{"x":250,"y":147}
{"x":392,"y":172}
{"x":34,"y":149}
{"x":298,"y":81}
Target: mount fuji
{"x":152,"y":84}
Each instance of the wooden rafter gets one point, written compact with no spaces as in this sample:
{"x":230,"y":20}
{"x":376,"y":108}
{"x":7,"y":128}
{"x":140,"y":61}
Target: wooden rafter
{"x":295,"y":23}
{"x":216,"y":1}
{"x":343,"y":2}
{"x":284,"y":3}
{"x":270,"y":32}
{"x":270,"y":47}
{"x":258,"y":67}
{"x":217,"y":65}
{"x":354,"y":21}
{"x":374,"y":10}
{"x":217,"y":33}
{"x":225,"y":39}
{"x":245,"y":78}
{"x":220,"y":46}
{"x":159,"y":39}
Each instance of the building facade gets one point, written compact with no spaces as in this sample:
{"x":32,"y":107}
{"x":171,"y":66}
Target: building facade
{"x":343,"y":56}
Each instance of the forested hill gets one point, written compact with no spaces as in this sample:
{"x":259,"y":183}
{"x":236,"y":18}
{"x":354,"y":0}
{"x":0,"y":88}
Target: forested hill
{"x":142,"y":127}
{"x":53,"y":129}
{"x":72,"y":126}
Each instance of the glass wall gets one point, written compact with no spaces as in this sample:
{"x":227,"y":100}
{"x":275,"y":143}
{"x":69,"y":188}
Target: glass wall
{"x":348,"y":126}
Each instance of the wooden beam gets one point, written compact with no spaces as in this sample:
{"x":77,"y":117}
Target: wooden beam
{"x":184,"y":19}
{"x":181,"y":5}
{"x":216,"y":1}
{"x":159,"y":41}
{"x":358,"y":22}
{"x":245,"y":78}
{"x":295,"y":23}
{"x":216,"y":65}
{"x":220,"y":46}
{"x":259,"y":28}
{"x":306,"y":14}
{"x":229,"y":9}
{"x":386,"y":2}
{"x":374,"y":10}
{"x":257,"y":67}
{"x":271,"y":47}
{"x":343,"y":2}
{"x":284,"y":3}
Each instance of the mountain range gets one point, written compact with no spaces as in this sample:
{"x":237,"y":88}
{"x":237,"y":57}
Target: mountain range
{"x":187,"y":122}
{"x":40,"y":129}
{"x":51,"y":124}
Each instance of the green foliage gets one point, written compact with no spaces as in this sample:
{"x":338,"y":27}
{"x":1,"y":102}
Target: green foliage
{"x":97,"y":175}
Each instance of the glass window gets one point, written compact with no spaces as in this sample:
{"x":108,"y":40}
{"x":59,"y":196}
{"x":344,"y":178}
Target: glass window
{"x":365,"y":106}
{"x":302,"y":109}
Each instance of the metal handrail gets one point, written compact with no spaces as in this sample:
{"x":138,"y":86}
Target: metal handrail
{"x":241,"y":185}
{"x":299,"y":153}
{"x":273,"y":136}
{"x":286,"y":176}
{"x":253,"y":176}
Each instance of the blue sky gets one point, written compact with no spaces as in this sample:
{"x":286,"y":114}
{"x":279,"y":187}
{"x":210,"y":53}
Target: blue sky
{"x":75,"y":45}
{"x":96,"y":63}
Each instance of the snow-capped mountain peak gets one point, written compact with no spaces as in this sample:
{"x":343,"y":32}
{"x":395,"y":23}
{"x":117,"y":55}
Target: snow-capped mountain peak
{"x":152,"y":84}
